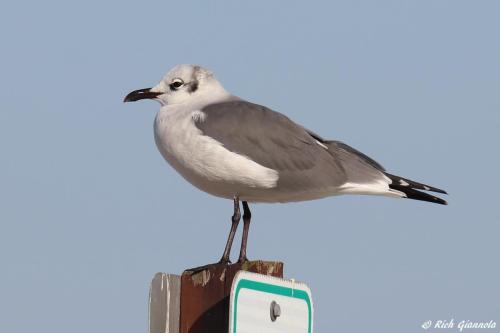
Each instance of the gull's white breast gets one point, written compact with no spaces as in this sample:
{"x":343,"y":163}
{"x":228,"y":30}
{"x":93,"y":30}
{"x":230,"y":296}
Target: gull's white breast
{"x":205,"y":162}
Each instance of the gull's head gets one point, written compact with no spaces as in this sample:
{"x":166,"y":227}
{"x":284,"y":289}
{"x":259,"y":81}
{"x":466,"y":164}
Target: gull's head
{"x":182,"y":84}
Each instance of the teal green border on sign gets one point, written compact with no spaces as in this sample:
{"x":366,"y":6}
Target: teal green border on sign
{"x":271,"y":289}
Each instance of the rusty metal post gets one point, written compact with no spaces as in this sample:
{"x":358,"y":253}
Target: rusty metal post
{"x":205,"y":294}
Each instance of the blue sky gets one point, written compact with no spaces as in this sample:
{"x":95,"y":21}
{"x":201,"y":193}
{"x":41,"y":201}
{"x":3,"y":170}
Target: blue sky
{"x":90,"y":211}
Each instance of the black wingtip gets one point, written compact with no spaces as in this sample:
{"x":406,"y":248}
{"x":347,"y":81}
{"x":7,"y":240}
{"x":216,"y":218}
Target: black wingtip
{"x":411,"y":193}
{"x":437,"y":190}
{"x":408,"y":183}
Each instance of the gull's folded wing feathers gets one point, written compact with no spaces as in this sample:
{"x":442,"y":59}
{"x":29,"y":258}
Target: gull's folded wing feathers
{"x":274,"y":141}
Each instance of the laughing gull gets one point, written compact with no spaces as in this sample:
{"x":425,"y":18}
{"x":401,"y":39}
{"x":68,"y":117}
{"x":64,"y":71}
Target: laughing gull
{"x":238,"y":150}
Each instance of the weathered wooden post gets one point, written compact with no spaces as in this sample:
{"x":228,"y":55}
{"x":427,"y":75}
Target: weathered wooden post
{"x":199,"y":300}
{"x":205,"y":294}
{"x":164,"y":303}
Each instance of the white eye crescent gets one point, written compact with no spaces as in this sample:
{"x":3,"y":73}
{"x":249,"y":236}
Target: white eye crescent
{"x":176,"y":84}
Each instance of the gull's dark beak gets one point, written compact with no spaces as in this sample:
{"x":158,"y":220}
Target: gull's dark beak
{"x":137,"y":95}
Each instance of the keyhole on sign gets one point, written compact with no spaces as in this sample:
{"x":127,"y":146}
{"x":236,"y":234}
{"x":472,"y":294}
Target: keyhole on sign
{"x":275,"y":310}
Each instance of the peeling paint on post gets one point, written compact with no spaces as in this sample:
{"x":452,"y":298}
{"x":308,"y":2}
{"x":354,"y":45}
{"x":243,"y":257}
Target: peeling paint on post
{"x":205,"y":294}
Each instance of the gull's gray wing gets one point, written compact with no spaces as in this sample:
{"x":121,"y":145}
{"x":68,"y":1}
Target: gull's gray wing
{"x":305,"y":161}
{"x":274,"y":141}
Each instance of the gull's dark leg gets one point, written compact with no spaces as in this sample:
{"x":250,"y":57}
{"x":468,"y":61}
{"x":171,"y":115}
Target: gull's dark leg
{"x":234,"y":225}
{"x":247,"y":215}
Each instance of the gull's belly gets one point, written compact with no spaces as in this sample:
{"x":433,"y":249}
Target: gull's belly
{"x":206,"y":164}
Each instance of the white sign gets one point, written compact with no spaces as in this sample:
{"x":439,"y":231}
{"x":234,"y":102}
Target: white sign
{"x":265,"y":304}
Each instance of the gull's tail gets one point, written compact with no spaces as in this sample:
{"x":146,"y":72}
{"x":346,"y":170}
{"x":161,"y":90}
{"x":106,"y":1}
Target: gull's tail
{"x":413,"y":190}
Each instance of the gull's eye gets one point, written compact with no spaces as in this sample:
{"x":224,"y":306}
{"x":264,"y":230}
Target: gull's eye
{"x":176,"y":84}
